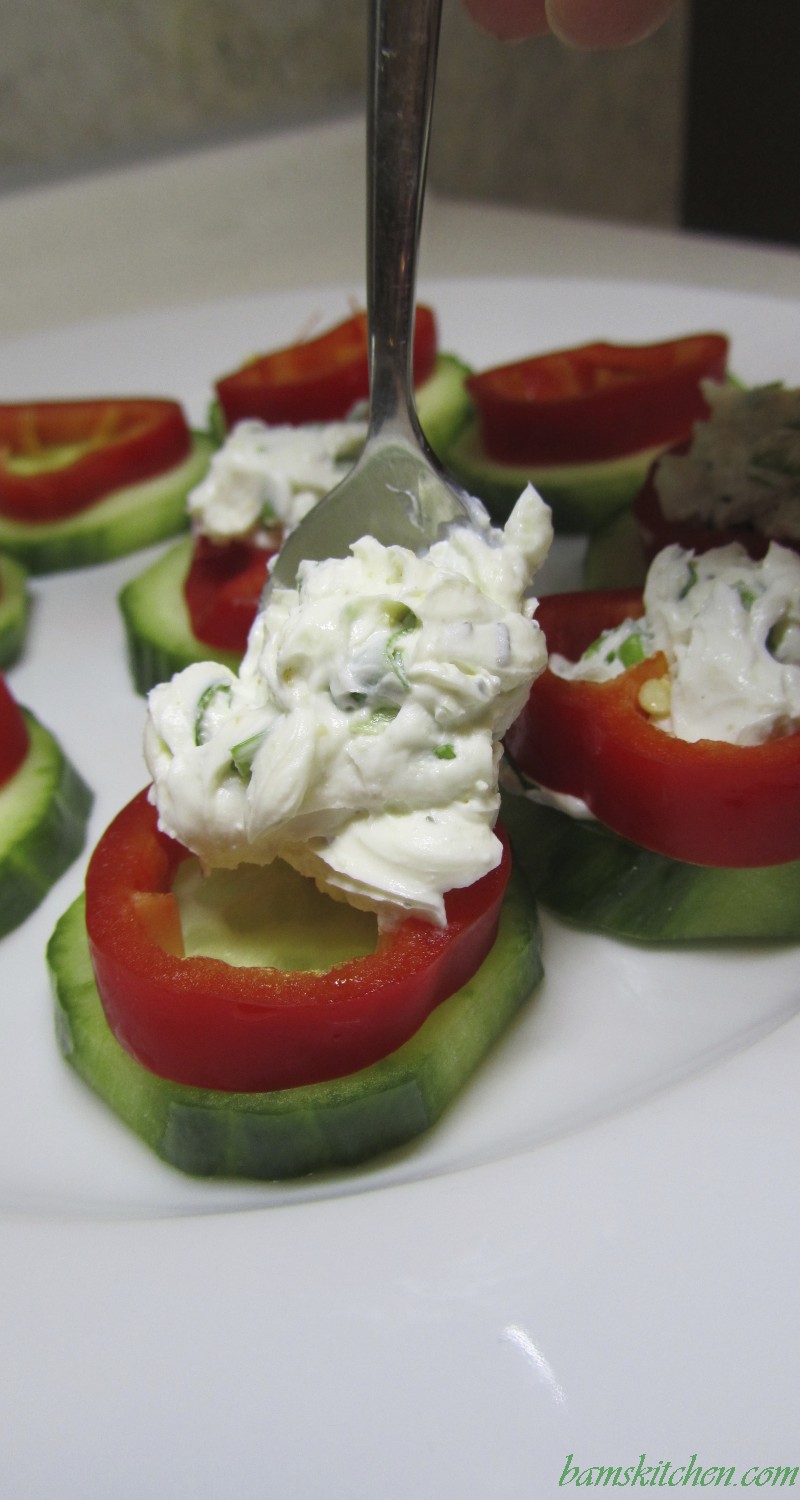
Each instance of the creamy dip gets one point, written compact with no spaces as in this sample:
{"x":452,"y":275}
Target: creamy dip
{"x":265,"y":479}
{"x":730,"y":630}
{"x":360,"y":740}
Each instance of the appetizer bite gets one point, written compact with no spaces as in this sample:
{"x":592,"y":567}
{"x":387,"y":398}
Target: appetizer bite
{"x":657,"y":761}
{"x":14,"y":609}
{"x":326,"y":379}
{"x":296,"y":946}
{"x":44,"y":810}
{"x":735,"y":479}
{"x":583,"y":425}
{"x":290,"y":429}
{"x":198,"y":601}
{"x":85,"y":481}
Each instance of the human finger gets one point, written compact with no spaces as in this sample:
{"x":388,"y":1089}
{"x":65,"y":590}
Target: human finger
{"x":510,"y":20}
{"x":605,"y":24}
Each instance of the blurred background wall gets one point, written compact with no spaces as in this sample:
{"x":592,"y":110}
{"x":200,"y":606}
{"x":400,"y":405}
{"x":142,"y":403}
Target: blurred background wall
{"x":696,"y":125}
{"x":85,"y":83}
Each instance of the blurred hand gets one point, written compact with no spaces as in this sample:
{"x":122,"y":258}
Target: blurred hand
{"x":590,"y":24}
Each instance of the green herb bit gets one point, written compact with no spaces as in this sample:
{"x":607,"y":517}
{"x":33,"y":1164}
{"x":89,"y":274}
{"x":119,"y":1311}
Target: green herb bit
{"x":785,"y":633}
{"x":378,"y":720}
{"x":632,"y":650}
{"x":777,"y":461}
{"x":203,"y":705}
{"x":406,"y":621}
{"x":691,"y":580}
{"x":597,"y":645}
{"x":444,"y":752}
{"x":243,"y":754}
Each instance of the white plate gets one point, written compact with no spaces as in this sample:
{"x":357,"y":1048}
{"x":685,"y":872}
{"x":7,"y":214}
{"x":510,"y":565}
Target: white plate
{"x":592,"y":1255}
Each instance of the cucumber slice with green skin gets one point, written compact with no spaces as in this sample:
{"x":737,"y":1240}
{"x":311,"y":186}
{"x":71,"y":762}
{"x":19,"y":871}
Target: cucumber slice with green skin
{"x":586,"y":874}
{"x":131,"y":518}
{"x":160,"y":640}
{"x":44,"y":810}
{"x":582,"y":497}
{"x":14,"y":609}
{"x":443,"y":405}
{"x":615,"y":556}
{"x":291,"y":1132}
{"x":158,"y":630}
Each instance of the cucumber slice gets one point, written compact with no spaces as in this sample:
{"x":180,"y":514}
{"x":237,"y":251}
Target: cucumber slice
{"x":614,"y":557}
{"x":14,"y":609}
{"x":290,"y":1132}
{"x":443,"y":406}
{"x":158,"y":631}
{"x":124,"y":522}
{"x":44,"y":810}
{"x":588,"y":875}
{"x":582,"y":497}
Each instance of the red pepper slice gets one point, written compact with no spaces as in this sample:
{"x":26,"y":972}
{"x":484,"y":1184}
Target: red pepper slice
{"x":198,"y":1020}
{"x":319,"y":379}
{"x":597,"y":401}
{"x":222,"y":590}
{"x":708,"y":802}
{"x":59,"y":457}
{"x":14,"y":737}
{"x":657,"y":532}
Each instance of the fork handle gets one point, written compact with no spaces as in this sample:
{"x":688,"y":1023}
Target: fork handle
{"x":403,"y":49}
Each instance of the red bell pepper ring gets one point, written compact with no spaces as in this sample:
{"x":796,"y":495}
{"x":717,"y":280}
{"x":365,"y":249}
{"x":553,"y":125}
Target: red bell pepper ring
{"x":222,"y":590}
{"x":14,"y":737}
{"x":658,"y":532}
{"x":59,"y":457}
{"x":597,"y":401}
{"x":319,"y":379}
{"x":200,"y":1021}
{"x":707,"y":802}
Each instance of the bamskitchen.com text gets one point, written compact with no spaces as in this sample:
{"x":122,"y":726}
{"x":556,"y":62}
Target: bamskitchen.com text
{"x":665,"y":1474}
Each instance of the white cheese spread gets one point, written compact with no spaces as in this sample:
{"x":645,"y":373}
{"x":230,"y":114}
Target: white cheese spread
{"x":360,"y":740}
{"x":742,"y":467}
{"x":730,"y":630}
{"x":264,"y":479}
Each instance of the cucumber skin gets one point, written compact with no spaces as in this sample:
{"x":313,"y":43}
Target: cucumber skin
{"x":442,"y":403}
{"x":589,"y":876}
{"x":130,"y":519}
{"x":292,"y":1132}
{"x":158,"y":631}
{"x":40,"y":840}
{"x":14,"y":609}
{"x":615,"y":557}
{"x":582,"y":497}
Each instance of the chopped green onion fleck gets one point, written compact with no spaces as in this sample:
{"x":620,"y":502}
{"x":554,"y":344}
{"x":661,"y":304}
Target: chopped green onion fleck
{"x":596,"y":646}
{"x":444,"y":752}
{"x":378,"y":720}
{"x":632,"y":650}
{"x":691,"y":580}
{"x":203,"y":704}
{"x":777,"y":460}
{"x":783,"y":640}
{"x":243,"y":754}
